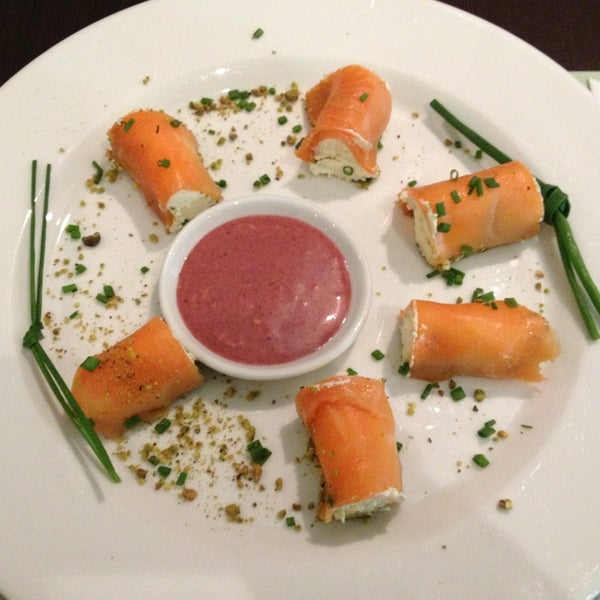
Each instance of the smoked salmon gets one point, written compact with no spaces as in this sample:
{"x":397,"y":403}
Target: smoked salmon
{"x":472,"y":213}
{"x":499,"y":340}
{"x":348,"y":111}
{"x":138,"y":376}
{"x":161,"y":155}
{"x":352,"y":427}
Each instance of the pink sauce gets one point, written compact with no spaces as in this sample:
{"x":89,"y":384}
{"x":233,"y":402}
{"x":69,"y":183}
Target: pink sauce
{"x":264,"y":289}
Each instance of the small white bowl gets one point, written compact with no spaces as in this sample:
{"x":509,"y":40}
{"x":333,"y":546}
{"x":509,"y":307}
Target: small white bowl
{"x":186,"y":240}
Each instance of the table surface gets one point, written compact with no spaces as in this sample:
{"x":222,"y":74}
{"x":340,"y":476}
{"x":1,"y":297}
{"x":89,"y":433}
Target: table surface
{"x":568,"y":32}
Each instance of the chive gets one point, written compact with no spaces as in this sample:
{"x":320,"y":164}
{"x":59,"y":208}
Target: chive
{"x":262,"y":181}
{"x":427,"y":390}
{"x":33,"y":336}
{"x":404,"y":369}
{"x":162,"y":425}
{"x":490,"y":423}
{"x":109,"y":292}
{"x":444,"y":227}
{"x":478,"y":153}
{"x":175,"y":123}
{"x":556,"y":211}
{"x":455,"y":196}
{"x":258,"y":33}
{"x":348,"y":170}
{"x":475,"y":185}
{"x":153,"y":460}
{"x":458,"y":394}
{"x":90,"y":363}
{"x":350,"y":371}
{"x":164,"y":471}
{"x":490,"y":182}
{"x":296,"y":128}
{"x":486,"y":298}
{"x":282,"y":120}
{"x":69,"y":289}
{"x":164,"y":162}
{"x":440,"y":209}
{"x":486,"y":431}
{"x":181,"y":478}
{"x":432,"y":274}
{"x":250,"y":106}
{"x":511,"y":302}
{"x":102,"y":298}
{"x":73,"y":231}
{"x":290,"y":521}
{"x":205,"y":101}
{"x":73,"y":314}
{"x":98,"y":174}
{"x":132,"y":421}
{"x":412,"y":183}
{"x":144,"y":269}
{"x":79,"y":268}
{"x":377,"y":354}
{"x":476,"y":294}
{"x":399,"y":446}
{"x":458,"y":144}
{"x":128,"y":124}
{"x":363,"y":97}
{"x":222,"y":183}
{"x":453,"y":276}
{"x":524,"y":426}
{"x":258,"y":452}
{"x":481,"y":460}
{"x":466,"y":250}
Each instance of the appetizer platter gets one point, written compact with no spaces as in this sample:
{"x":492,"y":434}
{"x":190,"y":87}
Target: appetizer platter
{"x":431,"y":455}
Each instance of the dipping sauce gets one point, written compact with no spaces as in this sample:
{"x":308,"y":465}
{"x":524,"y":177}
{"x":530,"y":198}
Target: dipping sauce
{"x":264,"y":289}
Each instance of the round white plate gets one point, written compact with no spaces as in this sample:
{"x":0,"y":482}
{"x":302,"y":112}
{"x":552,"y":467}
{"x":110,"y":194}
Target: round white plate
{"x":68,"y":532}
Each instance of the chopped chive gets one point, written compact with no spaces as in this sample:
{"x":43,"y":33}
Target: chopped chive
{"x":458,"y":394}
{"x":98,"y":174}
{"x":262,"y":181}
{"x":453,"y":276}
{"x":73,"y":231}
{"x":250,"y":106}
{"x":79,"y":268}
{"x":399,"y":446}
{"x":90,"y":363}
{"x":153,"y":460}
{"x":490,"y":423}
{"x":162,"y":425}
{"x":412,"y":183}
{"x":69,"y":289}
{"x":444,"y":227}
{"x":455,"y":196}
{"x":282,"y":120}
{"x":404,"y":368}
{"x":486,"y":431}
{"x":258,"y":33}
{"x":164,"y":162}
{"x":102,"y":298}
{"x":432,"y":274}
{"x":525,"y":426}
{"x":490,"y":182}
{"x":511,"y":302}
{"x":258,"y":452}
{"x":128,"y":124}
{"x":290,"y":521}
{"x":181,"y":478}
{"x":466,"y":250}
{"x":481,"y":460}
{"x":164,"y":471}
{"x":74,"y":314}
{"x":132,"y":421}
{"x":351,"y":371}
{"x":222,"y":183}
{"x":458,"y":144}
{"x":363,"y":97}
{"x":109,"y":292}
{"x":144,"y":269}
{"x":296,"y":128}
{"x":377,"y":354}
{"x":476,"y":294}
{"x":475,"y":185}
{"x":486,"y":298}
{"x":440,"y":209}
{"x":478,"y":153}
{"x":206,"y":101}
{"x":175,"y":123}
{"x":348,"y":170}
{"x":427,"y":390}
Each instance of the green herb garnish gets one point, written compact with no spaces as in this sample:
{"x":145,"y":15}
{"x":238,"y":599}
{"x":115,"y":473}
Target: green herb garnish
{"x":377,"y":354}
{"x":258,"y":453}
{"x":556,"y":211}
{"x":481,"y":460}
{"x":33,"y":337}
{"x":90,"y":363}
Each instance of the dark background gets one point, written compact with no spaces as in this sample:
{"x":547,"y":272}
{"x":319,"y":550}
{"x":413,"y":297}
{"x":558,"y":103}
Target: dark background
{"x":568,"y":31}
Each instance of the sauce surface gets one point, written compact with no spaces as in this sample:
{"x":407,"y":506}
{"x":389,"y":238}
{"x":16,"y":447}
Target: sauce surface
{"x":264,"y":289}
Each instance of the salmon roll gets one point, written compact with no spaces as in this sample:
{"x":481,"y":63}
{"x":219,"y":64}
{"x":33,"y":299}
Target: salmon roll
{"x":161,"y":155}
{"x":139,"y":376}
{"x":457,"y":217}
{"x":498,"y":340}
{"x":348,"y":111}
{"x":352,"y":428}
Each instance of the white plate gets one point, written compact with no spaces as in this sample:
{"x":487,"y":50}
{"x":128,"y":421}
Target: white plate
{"x":67,"y":532}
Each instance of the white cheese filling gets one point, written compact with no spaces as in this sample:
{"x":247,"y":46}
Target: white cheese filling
{"x":184,"y":205}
